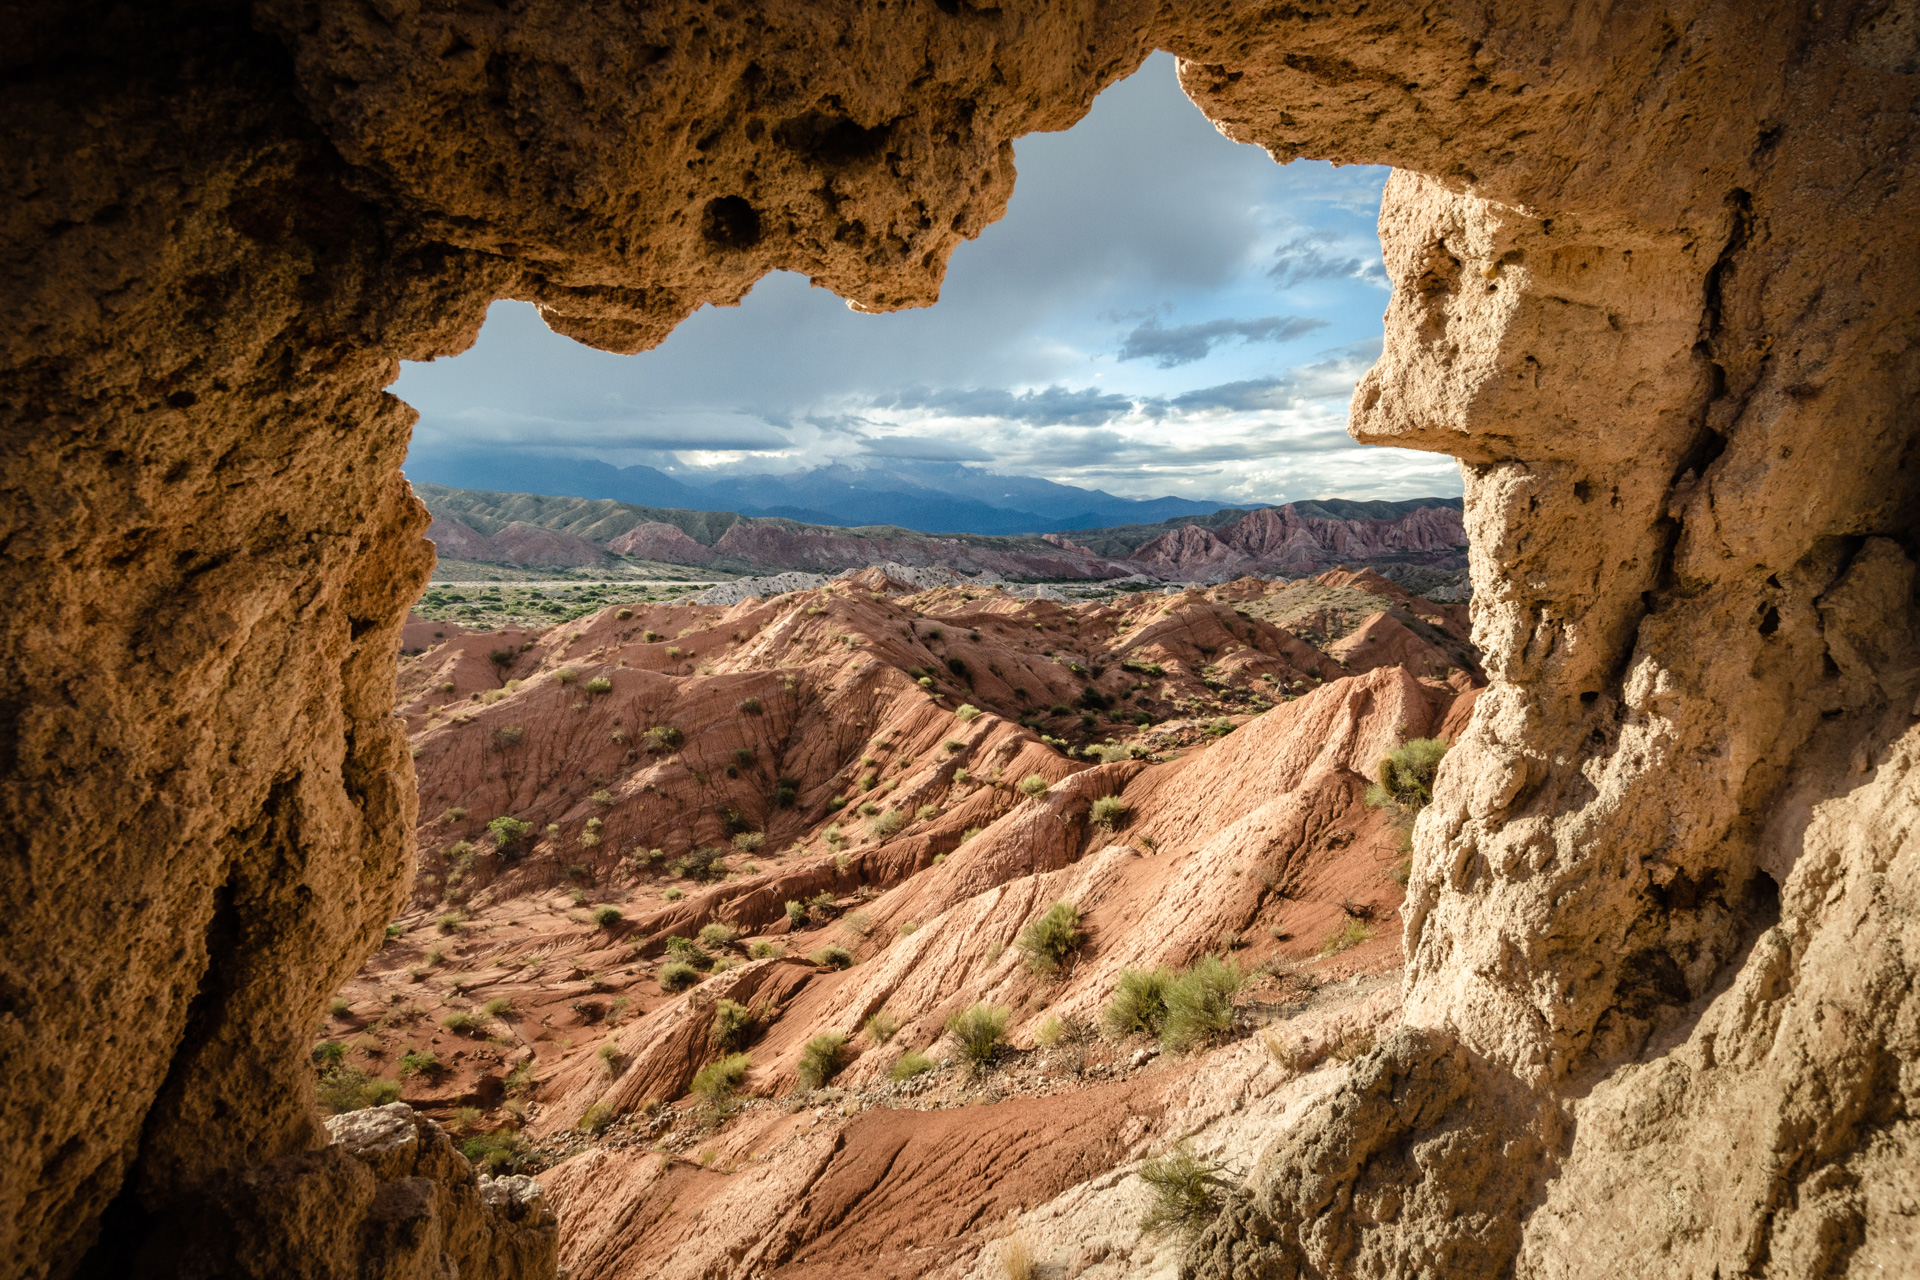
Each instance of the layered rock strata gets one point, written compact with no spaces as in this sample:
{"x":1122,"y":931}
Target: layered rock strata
{"x":1655,"y":290}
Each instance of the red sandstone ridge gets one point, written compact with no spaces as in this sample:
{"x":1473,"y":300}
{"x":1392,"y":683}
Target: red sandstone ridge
{"x":655,"y":540}
{"x":768,"y":546}
{"x":845,"y":803}
{"x":526,"y":545}
{"x":1281,"y":540}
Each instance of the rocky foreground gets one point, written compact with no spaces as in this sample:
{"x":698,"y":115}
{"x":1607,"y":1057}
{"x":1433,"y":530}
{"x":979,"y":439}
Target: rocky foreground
{"x":703,"y":888}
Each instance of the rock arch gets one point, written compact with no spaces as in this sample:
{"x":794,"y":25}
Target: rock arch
{"x":1655,"y":289}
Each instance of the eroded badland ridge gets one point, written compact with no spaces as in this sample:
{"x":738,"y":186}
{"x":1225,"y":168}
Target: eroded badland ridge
{"x":1653,"y":285}
{"x":702,"y":889}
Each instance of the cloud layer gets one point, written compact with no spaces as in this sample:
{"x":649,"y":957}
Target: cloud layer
{"x":1161,"y":311}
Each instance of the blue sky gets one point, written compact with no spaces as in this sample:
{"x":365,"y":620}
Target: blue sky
{"x":1162,"y":311}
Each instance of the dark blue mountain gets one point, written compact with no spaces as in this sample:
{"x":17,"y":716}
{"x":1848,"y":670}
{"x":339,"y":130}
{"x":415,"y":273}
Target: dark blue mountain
{"x":931,"y":497}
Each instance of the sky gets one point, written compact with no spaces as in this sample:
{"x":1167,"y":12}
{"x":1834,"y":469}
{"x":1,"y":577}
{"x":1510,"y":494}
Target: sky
{"x":1161,"y":311}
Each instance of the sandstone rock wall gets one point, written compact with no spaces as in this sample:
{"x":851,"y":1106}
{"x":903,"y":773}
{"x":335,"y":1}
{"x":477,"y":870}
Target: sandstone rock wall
{"x":1656,"y":290}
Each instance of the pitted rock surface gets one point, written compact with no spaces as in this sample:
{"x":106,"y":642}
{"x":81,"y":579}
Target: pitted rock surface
{"x":1654,"y":286}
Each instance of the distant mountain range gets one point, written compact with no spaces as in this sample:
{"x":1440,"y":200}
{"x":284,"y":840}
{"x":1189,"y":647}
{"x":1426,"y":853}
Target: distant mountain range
{"x":931,"y":497}
{"x":538,"y":531}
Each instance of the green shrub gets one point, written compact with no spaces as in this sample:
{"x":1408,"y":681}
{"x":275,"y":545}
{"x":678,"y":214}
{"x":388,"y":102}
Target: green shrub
{"x":796,"y":914}
{"x":663,"y":738}
{"x":909,"y":1065}
{"x":868,"y":809}
{"x":980,"y":1030}
{"x":1349,"y":933}
{"x":763,"y":950}
{"x":1049,"y":940}
{"x":566,"y":675}
{"x":721,"y":1079}
{"x":1034,"y":785}
{"x":672,"y":894}
{"x":495,"y":1153}
{"x":733,"y":1025}
{"x":418,"y":1061}
{"x":463,"y":1021}
{"x":1187,"y":1192}
{"x":606,"y":916}
{"x":690,"y":951}
{"x":678,"y":975}
{"x":1403,"y":778}
{"x":700,"y":864}
{"x":926,"y":812}
{"x":749,"y":841}
{"x":509,"y":835}
{"x":1200,"y":1003}
{"x":498,"y":1007}
{"x":886,"y":824}
{"x":596,"y":1119}
{"x":970,"y":833}
{"x":833,"y":957}
{"x":1139,"y":1002}
{"x":966,"y":712}
{"x":821,"y":1058}
{"x":882,"y":1027}
{"x":329,"y":1053}
{"x":450,"y":922}
{"x":1050,"y":1032}
{"x":1108,"y":811}
{"x":717,"y":933}
{"x":750,"y":705}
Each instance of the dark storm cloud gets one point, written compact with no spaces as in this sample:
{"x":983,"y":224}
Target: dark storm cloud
{"x":1311,"y":256}
{"x":925,"y":449}
{"x":1054,"y":407}
{"x":1186,"y":343}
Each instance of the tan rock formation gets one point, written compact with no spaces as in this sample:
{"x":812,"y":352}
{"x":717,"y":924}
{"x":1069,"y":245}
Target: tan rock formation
{"x":1656,"y":290}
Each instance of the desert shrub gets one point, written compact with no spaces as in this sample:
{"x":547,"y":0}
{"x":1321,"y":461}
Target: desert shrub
{"x":498,"y":1007}
{"x":1108,"y":752}
{"x":700,"y":864}
{"x":623,"y":614}
{"x":1349,"y":933}
{"x":833,"y":957}
{"x":1220,"y":728}
{"x":566,"y":675}
{"x":664,"y":737}
{"x":733,"y":1025}
{"x":495,"y":1153}
{"x":749,"y":841}
{"x":751,"y":706}
{"x":908,"y":1065}
{"x":463,"y":1021}
{"x":796,"y":914}
{"x":596,"y":1118}
{"x":958,"y":666}
{"x":970,"y":833}
{"x":868,"y":781}
{"x":926,"y":812}
{"x":690,"y":951}
{"x":980,"y":1030}
{"x":1108,"y":811}
{"x":1013,"y":1257}
{"x":1050,"y":1032}
{"x":868,"y":810}
{"x":600,"y":797}
{"x":651,"y":637}
{"x":339,"y":1007}
{"x":1403,"y":778}
{"x":606,"y":916}
{"x":1402,"y":872}
{"x":349,"y":1089}
{"x":908,"y":928}
{"x":886,"y":824}
{"x":1049,"y":940}
{"x":718,"y":933}
{"x":672,"y":895}
{"x":678,"y":975}
{"x":1200,"y":1002}
{"x":329,"y":1053}
{"x":1034,"y":785}
{"x":966,"y":713}
{"x":509,"y":835}
{"x":765,"y":950}
{"x":509,"y":735}
{"x":609,"y":1055}
{"x":925,"y":682}
{"x":502,"y":657}
{"x":722,"y":1078}
{"x":1187,"y":1191}
{"x":418,"y":1061}
{"x":882,"y":1027}
{"x":1139,"y":1002}
{"x":834,"y":836}
{"x":599,"y":684}
{"x":821,"y":1058}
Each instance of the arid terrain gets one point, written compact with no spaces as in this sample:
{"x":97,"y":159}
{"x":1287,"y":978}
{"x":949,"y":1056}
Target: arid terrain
{"x":662,"y":835}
